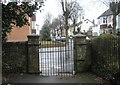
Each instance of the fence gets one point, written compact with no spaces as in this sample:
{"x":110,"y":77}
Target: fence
{"x":106,"y":57}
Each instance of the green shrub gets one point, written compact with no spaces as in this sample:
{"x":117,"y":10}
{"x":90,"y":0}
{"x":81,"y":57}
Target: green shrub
{"x":105,"y":55}
{"x":106,"y":36}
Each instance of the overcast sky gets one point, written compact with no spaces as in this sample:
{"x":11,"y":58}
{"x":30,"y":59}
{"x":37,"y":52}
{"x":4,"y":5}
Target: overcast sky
{"x":92,"y":9}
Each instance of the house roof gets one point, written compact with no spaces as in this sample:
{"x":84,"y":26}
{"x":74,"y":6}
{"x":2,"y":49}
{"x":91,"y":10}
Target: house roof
{"x":106,"y":13}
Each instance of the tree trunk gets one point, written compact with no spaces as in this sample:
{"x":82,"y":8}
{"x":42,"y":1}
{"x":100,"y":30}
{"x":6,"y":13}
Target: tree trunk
{"x":114,"y":24}
{"x":66,"y":26}
{"x":74,"y":27}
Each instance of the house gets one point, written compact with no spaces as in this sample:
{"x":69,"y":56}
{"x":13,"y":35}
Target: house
{"x":20,"y":33}
{"x":34,"y":25}
{"x":105,"y":22}
{"x":72,"y":29}
{"x":57,"y":32}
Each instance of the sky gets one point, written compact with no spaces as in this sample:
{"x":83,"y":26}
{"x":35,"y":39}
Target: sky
{"x":92,"y":10}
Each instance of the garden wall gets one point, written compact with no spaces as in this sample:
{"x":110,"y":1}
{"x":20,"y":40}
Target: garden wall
{"x":14,"y":57}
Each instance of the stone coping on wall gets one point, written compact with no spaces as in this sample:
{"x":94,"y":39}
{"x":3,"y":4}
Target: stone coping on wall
{"x":33,"y":35}
{"x":15,"y":41}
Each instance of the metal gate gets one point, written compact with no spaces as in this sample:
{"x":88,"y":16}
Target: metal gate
{"x":56,"y":58}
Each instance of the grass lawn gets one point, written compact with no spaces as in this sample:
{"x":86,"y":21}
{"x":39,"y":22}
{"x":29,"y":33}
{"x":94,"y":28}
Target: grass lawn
{"x":48,"y":44}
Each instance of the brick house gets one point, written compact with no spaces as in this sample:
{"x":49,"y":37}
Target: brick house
{"x":21,"y":33}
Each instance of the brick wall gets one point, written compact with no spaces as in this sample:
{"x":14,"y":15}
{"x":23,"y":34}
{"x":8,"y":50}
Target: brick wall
{"x":19,"y":33}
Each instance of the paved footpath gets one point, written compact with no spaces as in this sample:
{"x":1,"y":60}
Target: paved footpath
{"x":83,"y":78}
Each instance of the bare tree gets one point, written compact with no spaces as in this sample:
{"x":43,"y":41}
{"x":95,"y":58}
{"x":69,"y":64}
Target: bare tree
{"x":106,"y":2}
{"x":48,"y":18}
{"x":61,"y":24}
{"x":71,"y":9}
{"x":66,"y":14}
{"x":76,"y":13}
{"x":101,"y":2}
{"x":57,"y":25}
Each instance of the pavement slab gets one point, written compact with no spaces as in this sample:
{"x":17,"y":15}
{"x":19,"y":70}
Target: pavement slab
{"x":83,"y":78}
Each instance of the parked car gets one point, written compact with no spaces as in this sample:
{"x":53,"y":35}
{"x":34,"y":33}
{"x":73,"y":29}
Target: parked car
{"x":60,"y":39}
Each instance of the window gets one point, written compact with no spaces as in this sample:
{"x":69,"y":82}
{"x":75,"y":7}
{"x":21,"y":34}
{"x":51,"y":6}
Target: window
{"x":104,"y":20}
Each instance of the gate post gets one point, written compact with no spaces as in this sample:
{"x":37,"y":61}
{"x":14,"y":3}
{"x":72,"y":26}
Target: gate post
{"x":82,"y":55}
{"x":33,"y":53}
